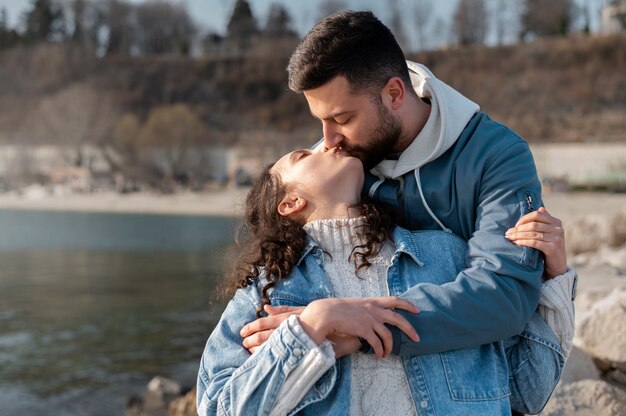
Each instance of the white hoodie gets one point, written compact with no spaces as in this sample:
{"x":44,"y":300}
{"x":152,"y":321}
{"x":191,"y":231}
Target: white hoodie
{"x":450,"y":112}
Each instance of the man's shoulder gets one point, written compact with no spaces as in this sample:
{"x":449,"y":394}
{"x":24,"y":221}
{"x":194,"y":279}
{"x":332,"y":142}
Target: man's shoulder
{"x":482,"y":130}
{"x":483,"y":140}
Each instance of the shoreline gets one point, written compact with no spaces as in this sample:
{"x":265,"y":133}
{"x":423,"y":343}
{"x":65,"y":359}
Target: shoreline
{"x":229,"y":202}
{"x":221,"y":203}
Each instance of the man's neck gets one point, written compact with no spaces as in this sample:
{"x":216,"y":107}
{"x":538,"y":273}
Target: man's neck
{"x":413,"y":117}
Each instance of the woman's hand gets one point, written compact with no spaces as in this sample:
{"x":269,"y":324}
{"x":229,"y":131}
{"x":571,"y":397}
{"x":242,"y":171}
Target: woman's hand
{"x":542,"y":231}
{"x":360,"y":317}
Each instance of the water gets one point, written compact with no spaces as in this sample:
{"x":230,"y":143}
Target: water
{"x":92,"y":306}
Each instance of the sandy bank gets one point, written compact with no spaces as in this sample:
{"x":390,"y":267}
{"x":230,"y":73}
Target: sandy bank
{"x":227,"y":202}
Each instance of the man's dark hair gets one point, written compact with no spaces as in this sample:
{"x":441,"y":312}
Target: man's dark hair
{"x":355,"y":45}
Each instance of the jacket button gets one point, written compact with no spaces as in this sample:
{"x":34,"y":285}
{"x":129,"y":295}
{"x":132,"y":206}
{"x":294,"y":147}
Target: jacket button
{"x":297,"y":352}
{"x":424,"y":403}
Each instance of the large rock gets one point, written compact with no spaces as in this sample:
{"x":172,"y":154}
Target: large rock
{"x":600,"y":332}
{"x":598,"y":233}
{"x":162,"y":386}
{"x":579,"y":367}
{"x":184,"y":406}
{"x":587,"y":398}
{"x":155,"y":400}
{"x":587,"y":234}
{"x":617,"y":233}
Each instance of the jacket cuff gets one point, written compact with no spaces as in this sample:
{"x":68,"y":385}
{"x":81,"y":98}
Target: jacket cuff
{"x":317,"y":360}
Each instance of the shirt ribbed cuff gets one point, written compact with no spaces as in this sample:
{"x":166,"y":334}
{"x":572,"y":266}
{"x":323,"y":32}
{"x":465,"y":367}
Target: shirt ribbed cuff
{"x":556,"y":307}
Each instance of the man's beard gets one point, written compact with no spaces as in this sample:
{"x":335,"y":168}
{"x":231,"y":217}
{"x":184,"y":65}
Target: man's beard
{"x":381,"y":141}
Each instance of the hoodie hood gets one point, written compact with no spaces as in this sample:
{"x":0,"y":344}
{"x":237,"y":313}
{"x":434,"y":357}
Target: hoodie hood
{"x":450,"y":112}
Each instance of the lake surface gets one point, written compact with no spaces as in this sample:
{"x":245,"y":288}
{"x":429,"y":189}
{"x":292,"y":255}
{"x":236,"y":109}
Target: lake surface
{"x":92,"y":306}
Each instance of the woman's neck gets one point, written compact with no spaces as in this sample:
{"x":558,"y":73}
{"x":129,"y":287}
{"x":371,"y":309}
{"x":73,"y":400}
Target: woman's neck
{"x":326,"y":211}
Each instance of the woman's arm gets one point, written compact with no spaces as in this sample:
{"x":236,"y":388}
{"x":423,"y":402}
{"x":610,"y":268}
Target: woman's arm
{"x":536,"y":357}
{"x":296,"y":356}
{"x":231,"y":381}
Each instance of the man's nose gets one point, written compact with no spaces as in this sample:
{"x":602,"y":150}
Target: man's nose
{"x":332,"y":137}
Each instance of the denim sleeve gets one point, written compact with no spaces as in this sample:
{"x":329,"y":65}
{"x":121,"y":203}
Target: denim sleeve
{"x":498,"y":291}
{"x":536,"y":362}
{"x":231,"y":381}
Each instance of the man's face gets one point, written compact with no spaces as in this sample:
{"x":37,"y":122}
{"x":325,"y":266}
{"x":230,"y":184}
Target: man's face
{"x":358,"y":123}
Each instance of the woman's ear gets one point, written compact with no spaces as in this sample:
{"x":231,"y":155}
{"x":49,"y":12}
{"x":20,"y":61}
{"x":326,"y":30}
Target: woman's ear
{"x":291,"y":204}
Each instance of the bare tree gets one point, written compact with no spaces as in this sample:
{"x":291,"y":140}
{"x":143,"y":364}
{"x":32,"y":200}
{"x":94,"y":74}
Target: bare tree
{"x":505,"y":15}
{"x":547,"y":17}
{"x":422,"y":12}
{"x":78,"y":119}
{"x":242,"y":27}
{"x":118,"y":18}
{"x":328,"y":7}
{"x":164,"y":28}
{"x":279,"y":22}
{"x":170,"y":143}
{"x":396,"y":25}
{"x":470,"y":22}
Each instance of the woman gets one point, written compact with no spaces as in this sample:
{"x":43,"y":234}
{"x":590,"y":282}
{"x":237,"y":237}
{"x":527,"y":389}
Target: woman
{"x":309,"y":233}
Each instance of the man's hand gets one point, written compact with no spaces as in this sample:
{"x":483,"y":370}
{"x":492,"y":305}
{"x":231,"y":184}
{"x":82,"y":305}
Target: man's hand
{"x":359,"y":317}
{"x":542,"y":231}
{"x":257,"y":332}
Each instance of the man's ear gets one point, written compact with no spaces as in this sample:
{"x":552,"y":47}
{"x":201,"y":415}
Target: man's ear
{"x":291,"y":204}
{"x":395,"y":92}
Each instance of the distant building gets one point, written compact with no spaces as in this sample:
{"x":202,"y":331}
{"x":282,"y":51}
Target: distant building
{"x":613,"y":17}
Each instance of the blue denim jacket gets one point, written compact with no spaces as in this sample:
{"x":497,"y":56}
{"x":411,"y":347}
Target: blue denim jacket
{"x":484,"y":380}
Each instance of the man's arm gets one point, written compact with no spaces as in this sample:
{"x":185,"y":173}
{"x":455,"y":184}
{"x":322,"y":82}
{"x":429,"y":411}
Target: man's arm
{"x":497,"y":293}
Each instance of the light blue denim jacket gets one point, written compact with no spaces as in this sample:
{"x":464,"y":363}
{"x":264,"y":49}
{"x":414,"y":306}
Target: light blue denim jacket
{"x":483,"y":380}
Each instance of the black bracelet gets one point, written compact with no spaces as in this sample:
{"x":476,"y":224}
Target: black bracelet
{"x":365,"y":346}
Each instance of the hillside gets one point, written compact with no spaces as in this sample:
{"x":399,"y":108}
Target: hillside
{"x":571,"y":89}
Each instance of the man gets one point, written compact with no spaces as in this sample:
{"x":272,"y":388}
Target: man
{"x":441,"y":163}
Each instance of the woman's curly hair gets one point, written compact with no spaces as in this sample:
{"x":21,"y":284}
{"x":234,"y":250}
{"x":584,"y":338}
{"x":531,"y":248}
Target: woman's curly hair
{"x":273,"y":244}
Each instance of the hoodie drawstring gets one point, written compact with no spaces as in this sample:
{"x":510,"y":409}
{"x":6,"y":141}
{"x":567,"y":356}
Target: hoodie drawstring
{"x":430,"y":212}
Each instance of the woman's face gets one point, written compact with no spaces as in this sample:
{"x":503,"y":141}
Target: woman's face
{"x":321,"y":175}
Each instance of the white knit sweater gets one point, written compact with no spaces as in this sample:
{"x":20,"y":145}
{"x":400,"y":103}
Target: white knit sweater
{"x":378,"y":387}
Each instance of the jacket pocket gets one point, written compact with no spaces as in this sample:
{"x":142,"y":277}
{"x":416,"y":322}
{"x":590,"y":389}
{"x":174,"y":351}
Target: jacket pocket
{"x":476,"y":374}
{"x":528,"y":202}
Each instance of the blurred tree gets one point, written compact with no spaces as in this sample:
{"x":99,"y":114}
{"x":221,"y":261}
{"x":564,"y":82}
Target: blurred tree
{"x":87,"y":22}
{"x":328,"y":7}
{"x":170,"y":143}
{"x":44,"y":22}
{"x":4,"y":19}
{"x":278,"y":22}
{"x":506,"y":19}
{"x":242,"y":27}
{"x":396,"y":25}
{"x":547,"y":17}
{"x":164,"y":28}
{"x":8,"y":36}
{"x":422,"y":12}
{"x":118,"y":20}
{"x":470,"y":22}
{"x":79,"y":8}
